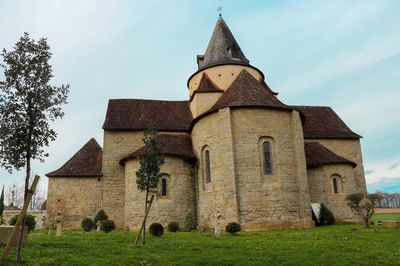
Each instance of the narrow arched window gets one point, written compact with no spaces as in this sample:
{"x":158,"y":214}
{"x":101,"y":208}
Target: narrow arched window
{"x":207,"y":166}
{"x":267,"y":158}
{"x":335,"y":185}
{"x":164,"y":187}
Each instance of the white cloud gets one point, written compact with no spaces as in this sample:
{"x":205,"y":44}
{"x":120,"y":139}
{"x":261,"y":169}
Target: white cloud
{"x":380,"y":170}
{"x":345,"y":63}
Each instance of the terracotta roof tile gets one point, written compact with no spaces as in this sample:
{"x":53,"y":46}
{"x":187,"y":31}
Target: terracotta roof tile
{"x":136,"y":114}
{"x":318,"y":155}
{"x":265,"y":85}
{"x":245,"y":90}
{"x":206,"y":85}
{"x":85,"y":163}
{"x":179,"y":145}
{"x":323,"y":122}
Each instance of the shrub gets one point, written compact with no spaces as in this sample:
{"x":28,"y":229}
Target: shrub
{"x":100,"y":216}
{"x":190,"y":223}
{"x":107,"y":226}
{"x":233,"y":228}
{"x":87,"y":224}
{"x":29,"y":221}
{"x":156,"y":229}
{"x":326,"y":217}
{"x":173,"y":227}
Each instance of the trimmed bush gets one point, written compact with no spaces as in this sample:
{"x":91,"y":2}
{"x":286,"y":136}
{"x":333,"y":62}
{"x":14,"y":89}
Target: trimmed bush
{"x":29,"y":221}
{"x":326,"y":217}
{"x":156,"y":229}
{"x":87,"y":224}
{"x":100,"y":216}
{"x":232,"y":228}
{"x":173,"y":227}
{"x":107,"y":226}
{"x":190,"y":223}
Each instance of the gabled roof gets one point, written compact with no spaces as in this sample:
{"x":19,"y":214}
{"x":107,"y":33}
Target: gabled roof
{"x":206,"y":85}
{"x":136,"y":114}
{"x":318,"y":155}
{"x":323,"y":122}
{"x":179,"y":145}
{"x":245,"y":90}
{"x":85,"y":163}
{"x":222,"y":48}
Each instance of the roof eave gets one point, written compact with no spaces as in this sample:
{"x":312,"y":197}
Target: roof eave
{"x":74,"y":175}
{"x":353,"y":164}
{"x":133,"y":157}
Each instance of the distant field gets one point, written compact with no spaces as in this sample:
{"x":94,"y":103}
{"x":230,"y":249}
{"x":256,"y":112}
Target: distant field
{"x":386,"y":217}
{"x":329,"y":245}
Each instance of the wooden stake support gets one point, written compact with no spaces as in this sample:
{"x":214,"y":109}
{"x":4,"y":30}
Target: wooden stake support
{"x":144,"y":219}
{"x":19,"y":220}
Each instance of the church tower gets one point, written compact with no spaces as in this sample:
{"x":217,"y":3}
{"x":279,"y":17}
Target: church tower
{"x":249,"y":145}
{"x":217,"y":69}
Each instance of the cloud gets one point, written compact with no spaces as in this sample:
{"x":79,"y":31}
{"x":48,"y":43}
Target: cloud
{"x":389,"y":185}
{"x":383,"y":169}
{"x":393,"y":166}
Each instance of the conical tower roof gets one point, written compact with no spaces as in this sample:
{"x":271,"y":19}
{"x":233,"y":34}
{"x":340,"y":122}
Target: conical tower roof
{"x":222,"y":48}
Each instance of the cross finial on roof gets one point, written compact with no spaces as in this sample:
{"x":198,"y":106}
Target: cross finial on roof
{"x":219,"y":9}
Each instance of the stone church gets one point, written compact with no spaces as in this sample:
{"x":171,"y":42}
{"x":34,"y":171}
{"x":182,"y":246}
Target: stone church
{"x":232,"y":147}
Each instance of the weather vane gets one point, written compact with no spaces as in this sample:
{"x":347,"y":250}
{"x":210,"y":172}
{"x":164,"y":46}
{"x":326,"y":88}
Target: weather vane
{"x":219,"y":9}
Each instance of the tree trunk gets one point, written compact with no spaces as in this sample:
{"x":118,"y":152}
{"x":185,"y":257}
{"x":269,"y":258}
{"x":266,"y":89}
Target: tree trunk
{"x":144,"y":221}
{"x":18,"y":222}
{"x":21,"y":235}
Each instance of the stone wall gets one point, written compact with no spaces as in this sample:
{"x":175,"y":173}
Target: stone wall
{"x":214,"y":133}
{"x":238,"y":187}
{"x":75,"y":197}
{"x":116,"y":146}
{"x":165,"y":209}
{"x":321,"y":189}
{"x":202,"y":102}
{"x":351,"y":150}
{"x":7,"y":215}
{"x":280,"y":199}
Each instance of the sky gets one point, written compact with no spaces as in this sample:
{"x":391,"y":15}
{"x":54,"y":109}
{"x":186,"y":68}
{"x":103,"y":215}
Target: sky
{"x":343,"y":54}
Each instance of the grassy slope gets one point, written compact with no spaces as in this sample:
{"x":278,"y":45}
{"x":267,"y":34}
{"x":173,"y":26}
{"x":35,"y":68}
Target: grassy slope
{"x":333,"y":245}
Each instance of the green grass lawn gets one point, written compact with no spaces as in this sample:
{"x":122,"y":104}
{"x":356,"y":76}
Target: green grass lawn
{"x":386,"y":217}
{"x":331,"y":245}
